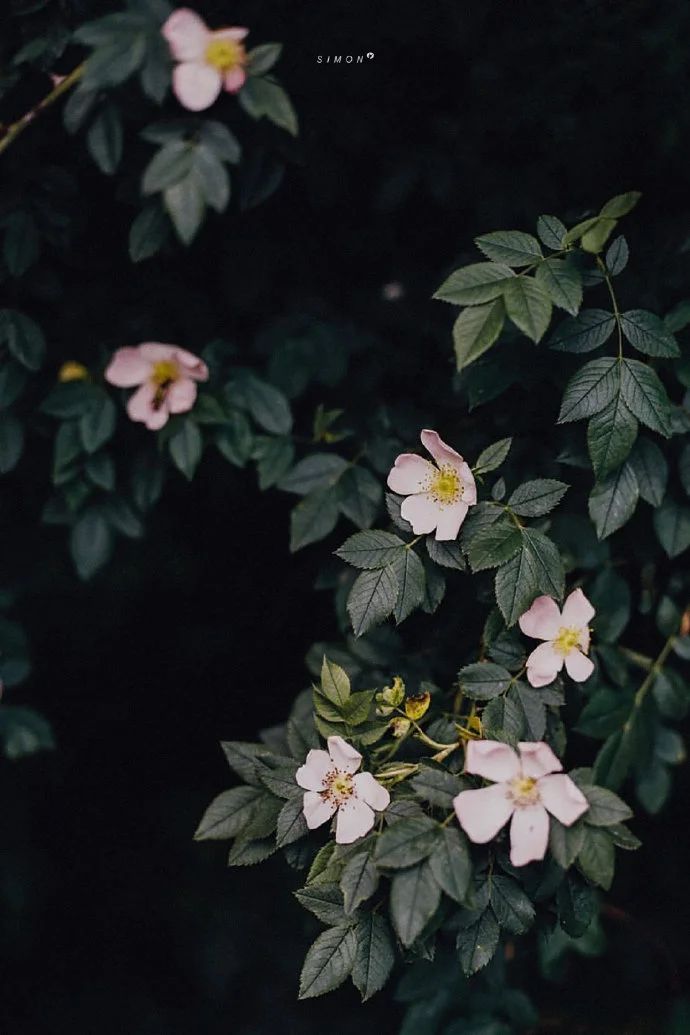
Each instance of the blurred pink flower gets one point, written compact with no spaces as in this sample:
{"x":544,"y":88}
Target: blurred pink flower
{"x":166,"y":377}
{"x":566,"y":635}
{"x":438,"y":497}
{"x":527,"y":786}
{"x":208,"y":61}
{"x":330,"y":785}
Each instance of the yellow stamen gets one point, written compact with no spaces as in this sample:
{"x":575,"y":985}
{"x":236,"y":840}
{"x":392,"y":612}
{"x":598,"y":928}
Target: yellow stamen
{"x":72,"y":371}
{"x":446,"y":487}
{"x":225,"y":54}
{"x":524,"y":790}
{"x":164,"y":373}
{"x":566,"y":640}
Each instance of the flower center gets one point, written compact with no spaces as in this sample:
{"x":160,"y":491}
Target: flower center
{"x":339,"y":787}
{"x":164,"y":373}
{"x":567,"y":640}
{"x":224,"y":54}
{"x":524,"y":790}
{"x":446,"y":487}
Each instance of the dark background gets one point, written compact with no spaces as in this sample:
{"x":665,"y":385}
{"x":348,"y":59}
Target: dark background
{"x":470,"y":117}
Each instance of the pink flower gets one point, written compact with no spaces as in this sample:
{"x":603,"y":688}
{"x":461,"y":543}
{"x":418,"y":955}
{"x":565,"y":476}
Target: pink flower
{"x":524,"y":788}
{"x":438,"y":496}
{"x":166,"y":377}
{"x":208,"y":61}
{"x":330,"y":786}
{"x":566,"y":636}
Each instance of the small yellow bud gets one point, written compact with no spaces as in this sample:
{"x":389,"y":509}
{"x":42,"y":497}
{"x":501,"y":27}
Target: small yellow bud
{"x":400,"y":727}
{"x":72,"y":371}
{"x":474,"y":723}
{"x":416,"y":707}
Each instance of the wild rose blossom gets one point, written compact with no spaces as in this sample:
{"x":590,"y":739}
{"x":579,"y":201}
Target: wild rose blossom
{"x":208,"y":61}
{"x":527,"y":785}
{"x":166,"y":377}
{"x":331,"y":785}
{"x":438,"y":495}
{"x":566,"y":635}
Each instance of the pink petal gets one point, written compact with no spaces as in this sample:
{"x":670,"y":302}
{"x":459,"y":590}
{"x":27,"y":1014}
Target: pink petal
{"x":543,"y":620}
{"x":186,"y":34}
{"x":492,"y":760}
{"x":422,"y":512}
{"x":537,"y":759}
{"x":196,"y":85}
{"x":578,"y":666}
{"x":443,"y":454}
{"x":543,"y":665}
{"x":449,"y":521}
{"x":470,"y":486}
{"x":355,"y":819}
{"x":562,"y":797}
{"x":235,"y":80}
{"x":577,"y":610}
{"x":181,"y":395}
{"x":343,"y":755}
{"x":312,"y":774}
{"x":411,"y":473}
{"x":482,"y":813}
{"x":192,"y":366}
{"x":529,"y":834}
{"x":140,"y":408}
{"x":127,"y":368}
{"x":236,"y":33}
{"x":317,"y":810}
{"x":156,"y":351}
{"x":370,"y":790}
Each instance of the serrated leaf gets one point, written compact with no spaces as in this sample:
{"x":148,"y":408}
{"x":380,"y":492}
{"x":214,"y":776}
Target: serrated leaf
{"x":565,"y":843}
{"x":249,"y":853}
{"x":406,"y":842}
{"x":320,"y":470}
{"x":314,"y":517}
{"x":335,"y":683}
{"x":596,"y":858}
{"x":512,"y":907}
{"x":477,"y":943}
{"x":585,"y":332}
{"x":484,"y":680}
{"x":328,"y":962}
{"x":528,"y":306}
{"x":359,"y":881}
{"x":538,"y":497}
{"x":512,"y":247}
{"x":494,"y":544}
{"x":414,"y":898}
{"x":617,"y":256}
{"x":436,"y":786}
{"x":610,"y":436}
{"x":371,"y":549}
{"x":647,"y":333}
{"x":621,"y":204}
{"x":446,"y":553}
{"x":577,"y":905}
{"x":545,"y":561}
{"x":475,"y":331}
{"x":551,"y":232}
{"x":374,"y":955}
{"x":474,"y":284}
{"x":372,"y":598}
{"x":503,"y":719}
{"x":612,"y":501}
{"x":409,"y":572}
{"x":325,"y":901}
{"x":672,"y":527}
{"x":493,"y":456}
{"x":651,"y":471}
{"x":228,"y":813}
{"x":605,"y":808}
{"x":590,"y":390}
{"x":359,"y":496}
{"x":645,"y":396}
{"x":451,"y":864}
{"x":562,"y":282}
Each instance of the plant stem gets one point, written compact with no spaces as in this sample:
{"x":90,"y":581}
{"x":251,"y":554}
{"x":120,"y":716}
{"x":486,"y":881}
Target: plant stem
{"x":15,"y":128}
{"x":646,"y":684}
{"x":614,"y":304}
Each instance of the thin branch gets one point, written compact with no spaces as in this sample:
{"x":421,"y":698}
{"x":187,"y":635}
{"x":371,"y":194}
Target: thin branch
{"x":64,"y":84}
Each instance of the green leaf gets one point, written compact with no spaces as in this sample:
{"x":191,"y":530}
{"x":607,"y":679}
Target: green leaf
{"x":249,"y":853}
{"x":313,"y":518}
{"x":551,"y":232}
{"x":645,"y":396}
{"x":504,"y":719}
{"x":414,"y":898}
{"x":104,"y":139}
{"x":359,"y":881}
{"x":112,"y":63}
{"x":617,"y":256}
{"x":596,"y":858}
{"x":100,"y":469}
{"x":446,"y":553}
{"x":23,"y":337}
{"x":186,"y":447}
{"x":493,"y":456}
{"x":605,"y":808}
{"x":533,"y":710}
{"x":97,"y":425}
{"x":72,"y":399}
{"x":11,"y":442}
{"x":647,"y":333}
{"x":621,"y":204}
{"x":536,"y":498}
{"x":512,"y":247}
{"x":684,"y":468}
{"x":335,"y":683}
{"x":512,"y":907}
{"x":516,"y":586}
{"x":374,"y":955}
{"x":184,"y":202}
{"x":212,"y":178}
{"x":583,"y":333}
{"x":23,"y":732}
{"x":359,"y":496}
{"x":329,"y":960}
{"x":451,"y":864}
{"x":406,"y":842}
{"x":409,"y":572}
{"x":672,"y":527}
{"x":265,"y":98}
{"x":12,"y":383}
{"x":565,"y":843}
{"x":612,"y":501}
{"x":148,"y":233}
{"x":274,"y":456}
{"x":170,"y":165}
{"x":90,"y":543}
{"x":235,"y":441}
{"x":484,"y":680}
{"x":262,"y":58}
{"x":267,"y":404}
{"x":475,"y":331}
{"x":577,"y":905}
{"x":478,"y":942}
{"x":372,"y":598}
{"x":610,"y":436}
{"x":494,"y":544}
{"x":475,"y":284}
{"x":436,"y":786}
{"x":545,"y":562}
{"x":562,"y":281}
{"x":228,"y":813}
{"x":594,"y":239}
{"x":371,"y":549}
{"x":528,"y":306}
{"x":651,"y":471}
{"x":291,"y":823}
{"x":590,"y":390}
{"x":325,"y":901}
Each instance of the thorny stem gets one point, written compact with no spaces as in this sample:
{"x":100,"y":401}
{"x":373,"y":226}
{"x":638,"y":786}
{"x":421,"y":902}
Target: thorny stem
{"x":12,"y":131}
{"x":614,"y":303}
{"x":648,"y":680}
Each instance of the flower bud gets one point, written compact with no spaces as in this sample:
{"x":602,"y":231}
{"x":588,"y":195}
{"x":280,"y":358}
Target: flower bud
{"x":72,"y":371}
{"x":416,"y":707}
{"x":400,"y":727}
